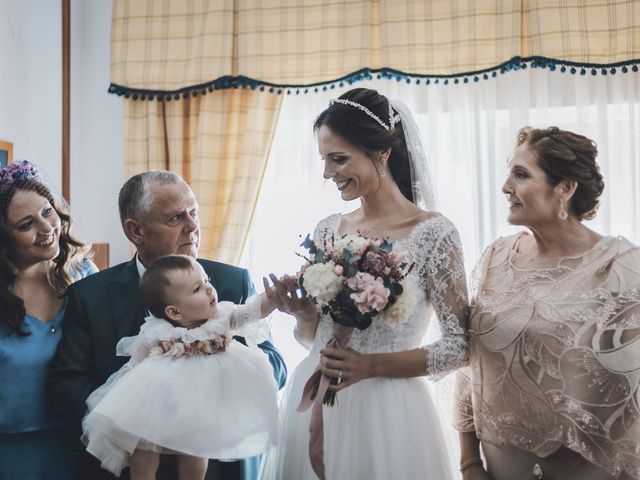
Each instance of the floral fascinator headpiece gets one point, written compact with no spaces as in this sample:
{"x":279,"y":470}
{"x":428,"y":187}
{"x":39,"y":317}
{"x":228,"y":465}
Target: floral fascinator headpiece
{"x":23,"y":170}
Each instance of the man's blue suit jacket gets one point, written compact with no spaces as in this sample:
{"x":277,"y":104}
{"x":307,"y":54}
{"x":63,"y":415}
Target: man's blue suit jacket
{"x":102,"y":309}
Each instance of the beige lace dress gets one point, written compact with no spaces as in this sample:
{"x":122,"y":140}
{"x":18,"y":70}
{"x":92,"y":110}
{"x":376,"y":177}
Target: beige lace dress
{"x":555,"y":361}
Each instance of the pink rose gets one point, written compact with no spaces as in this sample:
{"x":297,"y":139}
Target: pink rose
{"x":190,"y":349}
{"x":290,"y":282}
{"x":338,"y":270}
{"x":219,"y":343}
{"x":370,"y":292}
{"x":398,"y":257}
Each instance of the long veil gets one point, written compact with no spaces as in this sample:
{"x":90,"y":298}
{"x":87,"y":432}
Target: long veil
{"x":424,"y":195}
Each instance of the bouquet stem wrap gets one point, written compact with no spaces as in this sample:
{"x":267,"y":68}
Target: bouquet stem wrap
{"x":315,"y":394}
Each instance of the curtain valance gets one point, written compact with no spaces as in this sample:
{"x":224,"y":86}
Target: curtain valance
{"x":165,"y":48}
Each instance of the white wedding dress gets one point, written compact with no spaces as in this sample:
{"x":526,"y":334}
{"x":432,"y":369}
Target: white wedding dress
{"x":385,"y":428}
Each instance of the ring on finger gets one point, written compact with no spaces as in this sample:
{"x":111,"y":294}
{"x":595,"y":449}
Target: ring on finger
{"x":339,"y":377}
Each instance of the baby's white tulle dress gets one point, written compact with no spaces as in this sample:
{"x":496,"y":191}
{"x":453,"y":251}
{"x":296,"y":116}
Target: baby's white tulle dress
{"x":220,"y":405}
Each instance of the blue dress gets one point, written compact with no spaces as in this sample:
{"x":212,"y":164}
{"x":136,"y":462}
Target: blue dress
{"x":34,"y":445}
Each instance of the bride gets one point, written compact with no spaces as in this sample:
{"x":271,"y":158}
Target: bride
{"x":384,"y":423}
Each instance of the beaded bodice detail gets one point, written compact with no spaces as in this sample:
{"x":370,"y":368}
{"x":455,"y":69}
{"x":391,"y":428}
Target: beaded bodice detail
{"x":433,"y":246}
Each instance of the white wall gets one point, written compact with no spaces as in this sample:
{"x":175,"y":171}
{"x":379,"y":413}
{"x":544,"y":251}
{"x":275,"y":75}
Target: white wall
{"x":97,"y":168}
{"x":31,"y":111}
{"x":31,"y":82}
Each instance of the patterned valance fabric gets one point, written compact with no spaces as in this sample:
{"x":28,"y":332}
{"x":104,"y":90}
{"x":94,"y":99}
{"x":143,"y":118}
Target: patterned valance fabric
{"x":176,"y":46}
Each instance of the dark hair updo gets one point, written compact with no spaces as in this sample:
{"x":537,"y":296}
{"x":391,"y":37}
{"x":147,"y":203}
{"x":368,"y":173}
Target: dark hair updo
{"x":365,"y":133}
{"x":565,"y":155}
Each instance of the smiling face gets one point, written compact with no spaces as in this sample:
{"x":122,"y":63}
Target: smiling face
{"x":35,"y":227}
{"x":190,"y":296}
{"x":532,"y":200}
{"x":352,"y":170}
{"x":172,"y":224}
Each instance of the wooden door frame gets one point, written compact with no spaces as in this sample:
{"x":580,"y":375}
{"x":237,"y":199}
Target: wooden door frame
{"x":66,"y":98}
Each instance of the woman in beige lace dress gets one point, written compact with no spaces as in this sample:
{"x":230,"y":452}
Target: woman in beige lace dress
{"x":552,"y":387}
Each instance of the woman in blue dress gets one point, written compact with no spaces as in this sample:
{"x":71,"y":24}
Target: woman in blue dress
{"x":39,"y":259}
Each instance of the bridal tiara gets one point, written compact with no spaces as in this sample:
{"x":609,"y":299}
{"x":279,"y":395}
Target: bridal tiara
{"x":393,"y":119}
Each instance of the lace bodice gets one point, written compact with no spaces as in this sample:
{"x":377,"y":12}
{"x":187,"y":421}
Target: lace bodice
{"x":555,"y":353}
{"x":433,"y":246}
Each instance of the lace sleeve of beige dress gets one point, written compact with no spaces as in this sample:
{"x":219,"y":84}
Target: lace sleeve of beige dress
{"x":463,"y":406}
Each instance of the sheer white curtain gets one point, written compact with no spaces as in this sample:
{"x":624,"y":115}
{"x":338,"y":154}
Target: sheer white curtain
{"x":469,"y":131}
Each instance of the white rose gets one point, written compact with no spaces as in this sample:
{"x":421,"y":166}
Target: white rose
{"x":156,"y":351}
{"x":399,"y":312}
{"x":177,"y":350}
{"x":321,"y":282}
{"x":355,"y":243}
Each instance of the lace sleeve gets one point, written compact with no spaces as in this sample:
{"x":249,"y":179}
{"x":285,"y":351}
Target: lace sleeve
{"x":463,"y":408}
{"x":447,"y":289}
{"x":246,"y":321}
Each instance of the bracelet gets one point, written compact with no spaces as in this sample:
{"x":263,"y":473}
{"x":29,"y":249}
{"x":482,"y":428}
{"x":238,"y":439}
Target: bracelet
{"x":470,"y":462}
{"x":537,"y":472}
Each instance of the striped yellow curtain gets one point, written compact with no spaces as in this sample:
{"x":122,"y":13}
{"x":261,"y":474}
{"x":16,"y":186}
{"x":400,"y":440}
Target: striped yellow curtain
{"x":172,"y":44}
{"x":220,"y":144}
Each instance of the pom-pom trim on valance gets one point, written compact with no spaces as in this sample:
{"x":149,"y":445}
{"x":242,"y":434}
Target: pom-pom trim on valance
{"x":515,"y":64}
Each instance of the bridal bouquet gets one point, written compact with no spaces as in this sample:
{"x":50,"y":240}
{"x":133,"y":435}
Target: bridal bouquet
{"x":353,"y":279}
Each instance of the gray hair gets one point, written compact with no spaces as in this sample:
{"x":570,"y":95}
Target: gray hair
{"x":134,"y":200}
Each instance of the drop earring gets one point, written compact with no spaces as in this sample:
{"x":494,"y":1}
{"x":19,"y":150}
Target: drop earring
{"x":384,"y":172}
{"x":562,"y":214}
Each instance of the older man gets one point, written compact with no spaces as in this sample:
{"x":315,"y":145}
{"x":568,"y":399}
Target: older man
{"x":159,"y":215}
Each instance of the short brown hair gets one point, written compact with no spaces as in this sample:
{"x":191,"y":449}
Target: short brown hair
{"x":565,"y":155}
{"x":155,"y":280}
